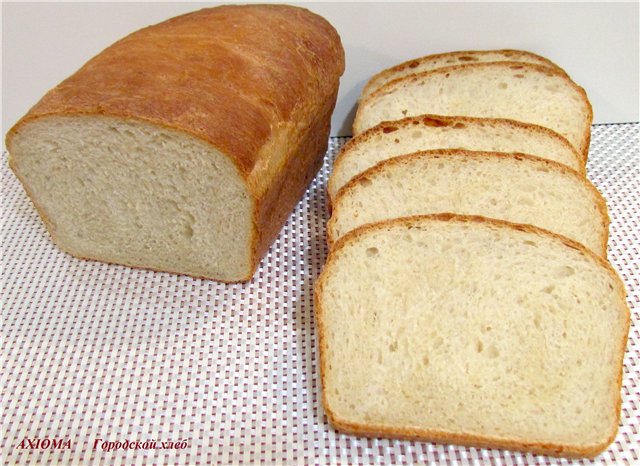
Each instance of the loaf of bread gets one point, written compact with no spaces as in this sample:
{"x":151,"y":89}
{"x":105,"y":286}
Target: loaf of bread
{"x":426,"y":132}
{"x":514,"y":187}
{"x":184,"y":146}
{"x":519,"y":91}
{"x":472,"y":331}
{"x":441,"y":60}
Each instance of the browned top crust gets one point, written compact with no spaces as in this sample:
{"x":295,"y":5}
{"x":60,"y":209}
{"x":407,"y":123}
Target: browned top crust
{"x":470,"y":56}
{"x":230,"y":75}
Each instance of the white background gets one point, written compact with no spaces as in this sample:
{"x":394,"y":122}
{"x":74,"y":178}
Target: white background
{"x":596,"y":43}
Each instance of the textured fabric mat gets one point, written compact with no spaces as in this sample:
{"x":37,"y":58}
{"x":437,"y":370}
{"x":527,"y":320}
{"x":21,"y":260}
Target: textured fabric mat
{"x":95,"y":354}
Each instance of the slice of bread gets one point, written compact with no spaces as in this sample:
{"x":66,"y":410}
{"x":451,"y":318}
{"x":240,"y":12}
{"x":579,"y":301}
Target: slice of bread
{"x":518,"y":91}
{"x":514,"y":187}
{"x":426,"y":132}
{"x":472,"y":331}
{"x":440,"y":60}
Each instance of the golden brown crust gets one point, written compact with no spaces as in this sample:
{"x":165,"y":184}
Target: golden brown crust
{"x":213,"y":73}
{"x":511,"y":54}
{"x":584,"y":146}
{"x":403,"y":159}
{"x":469,"y":440}
{"x":441,"y":120}
{"x":561,"y":450}
{"x":293,"y":178}
{"x":256,"y":82}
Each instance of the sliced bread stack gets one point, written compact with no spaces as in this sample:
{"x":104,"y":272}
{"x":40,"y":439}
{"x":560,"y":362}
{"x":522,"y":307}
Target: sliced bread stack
{"x":432,"y":62}
{"x":515,"y":187}
{"x":467,"y":297}
{"x":522,"y":115}
{"x":424,"y":132}
{"x":527,"y":92}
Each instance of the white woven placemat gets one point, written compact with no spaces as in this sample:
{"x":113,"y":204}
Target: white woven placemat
{"x":96,"y":354}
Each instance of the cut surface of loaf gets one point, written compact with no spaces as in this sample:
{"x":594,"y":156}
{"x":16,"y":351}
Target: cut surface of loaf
{"x":440,"y":60}
{"x":518,"y":91}
{"x":426,"y":132}
{"x":129,"y":199}
{"x":472,"y":331}
{"x":513,"y":187}
{"x":185,"y":158}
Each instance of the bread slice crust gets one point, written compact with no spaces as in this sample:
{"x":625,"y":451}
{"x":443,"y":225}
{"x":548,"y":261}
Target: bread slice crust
{"x":583,"y":145}
{"x":438,"y":153}
{"x":468,"y":56}
{"x":429,"y":120}
{"x":461,"y":438}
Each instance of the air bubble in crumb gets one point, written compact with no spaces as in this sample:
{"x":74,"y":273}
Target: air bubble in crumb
{"x":372,"y":252}
{"x":564,"y":271}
